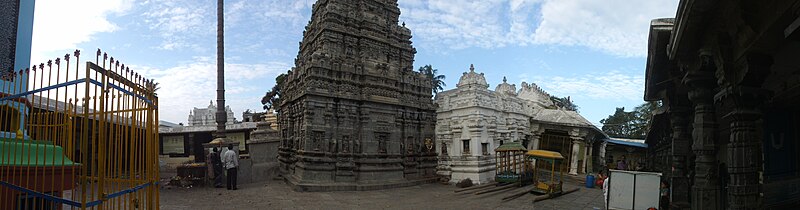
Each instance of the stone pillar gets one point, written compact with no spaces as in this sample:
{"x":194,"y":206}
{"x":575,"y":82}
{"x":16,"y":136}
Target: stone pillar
{"x":586,"y":157}
{"x":576,"y":147}
{"x":744,"y":147}
{"x":742,"y":97}
{"x":534,"y":144}
{"x":681,"y":145}
{"x":706,"y":192}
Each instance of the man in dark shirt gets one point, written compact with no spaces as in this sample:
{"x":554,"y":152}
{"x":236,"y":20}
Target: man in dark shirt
{"x":216,"y":162}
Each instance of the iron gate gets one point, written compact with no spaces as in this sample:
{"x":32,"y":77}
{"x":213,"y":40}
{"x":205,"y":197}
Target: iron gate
{"x":80,"y":136}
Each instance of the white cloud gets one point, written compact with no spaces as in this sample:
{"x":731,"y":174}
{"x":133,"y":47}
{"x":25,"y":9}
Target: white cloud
{"x":458,"y":24}
{"x":612,"y":85}
{"x":179,"y":23}
{"x":62,"y":25}
{"x":193,"y":85}
{"x":617,"y":27}
{"x":187,"y":24}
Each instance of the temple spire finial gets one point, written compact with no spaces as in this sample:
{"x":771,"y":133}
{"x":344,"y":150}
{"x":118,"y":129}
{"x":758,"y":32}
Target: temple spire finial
{"x":471,"y":68}
{"x":504,"y":79}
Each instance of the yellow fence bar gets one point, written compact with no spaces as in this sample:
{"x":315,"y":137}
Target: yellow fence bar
{"x":75,"y":138}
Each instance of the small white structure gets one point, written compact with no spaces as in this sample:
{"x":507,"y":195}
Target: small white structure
{"x":633,"y":189}
{"x":208,"y":115}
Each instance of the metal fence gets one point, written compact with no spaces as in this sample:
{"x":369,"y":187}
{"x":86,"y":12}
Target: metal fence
{"x":78,"y":136}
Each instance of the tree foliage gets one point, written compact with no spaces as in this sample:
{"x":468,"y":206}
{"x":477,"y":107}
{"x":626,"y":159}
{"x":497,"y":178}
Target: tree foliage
{"x":630,"y":124}
{"x":273,"y":97}
{"x":565,"y":103}
{"x":153,"y":87}
{"x":437,"y":80}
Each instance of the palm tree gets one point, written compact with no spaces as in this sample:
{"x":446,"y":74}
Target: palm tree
{"x":437,"y":81}
{"x":153,"y":87}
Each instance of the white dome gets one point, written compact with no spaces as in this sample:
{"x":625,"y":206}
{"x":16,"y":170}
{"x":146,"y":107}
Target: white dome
{"x":505,"y":88}
{"x":472,"y":79}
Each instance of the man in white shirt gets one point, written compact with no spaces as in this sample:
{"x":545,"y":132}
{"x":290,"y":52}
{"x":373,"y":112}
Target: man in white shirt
{"x":605,"y":191}
{"x":231,"y":161}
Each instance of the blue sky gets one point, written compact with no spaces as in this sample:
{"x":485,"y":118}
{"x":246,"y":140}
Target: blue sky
{"x":591,"y":50}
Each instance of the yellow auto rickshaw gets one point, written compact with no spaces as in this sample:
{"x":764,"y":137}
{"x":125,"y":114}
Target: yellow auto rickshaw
{"x":547,"y":175}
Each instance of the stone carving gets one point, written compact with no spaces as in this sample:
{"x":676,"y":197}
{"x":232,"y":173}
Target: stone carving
{"x":354,"y":81}
{"x":317,"y":139}
{"x":345,"y":144}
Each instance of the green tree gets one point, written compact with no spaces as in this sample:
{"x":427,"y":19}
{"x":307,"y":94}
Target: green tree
{"x":437,"y":80}
{"x":273,"y":97}
{"x":620,"y":124}
{"x":565,"y":103}
{"x":632,"y":124}
{"x":644,"y":114}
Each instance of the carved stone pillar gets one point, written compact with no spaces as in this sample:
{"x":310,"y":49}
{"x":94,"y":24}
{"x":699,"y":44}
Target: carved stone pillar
{"x":706,"y":192}
{"x":587,"y":159}
{"x":576,"y":148}
{"x":744,"y":149}
{"x":743,"y":98}
{"x":681,"y":145}
{"x":534,"y":143}
{"x":535,"y":137}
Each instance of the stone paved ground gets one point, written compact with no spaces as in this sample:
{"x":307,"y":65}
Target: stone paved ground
{"x":277,"y":195}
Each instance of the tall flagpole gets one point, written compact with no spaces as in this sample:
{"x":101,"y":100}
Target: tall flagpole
{"x":222,"y":116}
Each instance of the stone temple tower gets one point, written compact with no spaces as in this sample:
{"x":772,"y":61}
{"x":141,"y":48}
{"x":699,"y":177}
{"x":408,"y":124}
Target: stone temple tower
{"x":355,"y":115}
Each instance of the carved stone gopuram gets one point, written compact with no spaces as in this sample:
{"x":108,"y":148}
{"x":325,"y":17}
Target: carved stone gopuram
{"x":355,"y":115}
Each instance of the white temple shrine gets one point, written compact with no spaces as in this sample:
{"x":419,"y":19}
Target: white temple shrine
{"x":472,"y":121}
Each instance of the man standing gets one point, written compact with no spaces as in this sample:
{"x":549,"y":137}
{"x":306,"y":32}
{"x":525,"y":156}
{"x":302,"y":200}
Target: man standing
{"x":216,"y":163}
{"x":621,"y":165}
{"x":605,"y":191}
{"x":231,"y":164}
